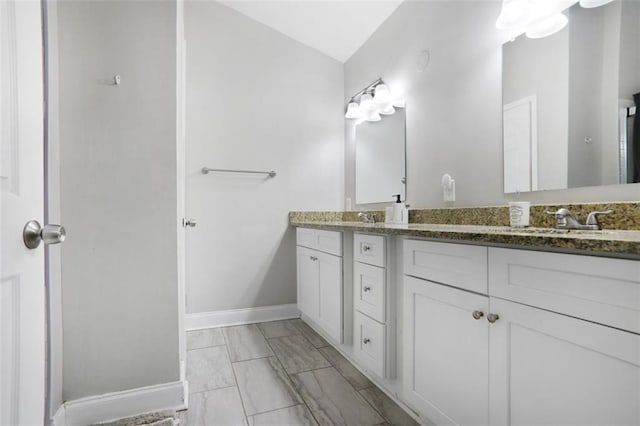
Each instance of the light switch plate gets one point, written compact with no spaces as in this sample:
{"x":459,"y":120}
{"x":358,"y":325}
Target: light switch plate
{"x":450,"y":192}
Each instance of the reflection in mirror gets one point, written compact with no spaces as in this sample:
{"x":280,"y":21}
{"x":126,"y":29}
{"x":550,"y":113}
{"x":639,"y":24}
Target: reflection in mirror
{"x":380,"y":159}
{"x":568,"y":102}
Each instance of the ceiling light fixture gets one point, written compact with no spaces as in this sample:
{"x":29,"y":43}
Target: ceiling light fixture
{"x":373,"y":100}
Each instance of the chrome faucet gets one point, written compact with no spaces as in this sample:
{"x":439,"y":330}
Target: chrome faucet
{"x":565,"y":219}
{"x":366,"y":218}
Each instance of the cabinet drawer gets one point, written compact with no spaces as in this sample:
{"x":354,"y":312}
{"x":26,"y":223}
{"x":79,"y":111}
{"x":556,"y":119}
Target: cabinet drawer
{"x":305,"y":237}
{"x":369,"y":290}
{"x":369,"y":249}
{"x":329,"y":242}
{"x":317,"y":239}
{"x":606,"y":291}
{"x":370,"y":343}
{"x":457,"y":265}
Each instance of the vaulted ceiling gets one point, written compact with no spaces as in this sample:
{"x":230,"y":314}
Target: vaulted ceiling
{"x":336,"y":28}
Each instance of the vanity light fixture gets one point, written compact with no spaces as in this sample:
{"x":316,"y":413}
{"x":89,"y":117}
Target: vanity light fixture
{"x":372,"y":101}
{"x":593,"y":3}
{"x":538,"y":18}
{"x":353,"y":110}
{"x":547,"y":26}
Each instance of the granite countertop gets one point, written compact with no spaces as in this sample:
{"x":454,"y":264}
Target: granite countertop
{"x":608,"y":243}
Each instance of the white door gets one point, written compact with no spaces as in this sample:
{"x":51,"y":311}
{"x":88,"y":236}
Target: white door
{"x":446,"y":353}
{"x":520,"y":140}
{"x":330,"y":295}
{"x":551,"y":369}
{"x":22,"y":296}
{"x":308,"y":294}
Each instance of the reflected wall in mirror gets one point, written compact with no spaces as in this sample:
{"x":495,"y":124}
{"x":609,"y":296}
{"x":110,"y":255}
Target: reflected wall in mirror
{"x":380,"y":159}
{"x":568,"y":102}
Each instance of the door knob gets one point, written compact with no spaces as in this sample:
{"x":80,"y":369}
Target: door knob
{"x":33,"y":234}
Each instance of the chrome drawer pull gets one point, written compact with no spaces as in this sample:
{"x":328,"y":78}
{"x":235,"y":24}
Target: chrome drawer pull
{"x":366,"y":248}
{"x":366,"y":340}
{"x":366,"y":289}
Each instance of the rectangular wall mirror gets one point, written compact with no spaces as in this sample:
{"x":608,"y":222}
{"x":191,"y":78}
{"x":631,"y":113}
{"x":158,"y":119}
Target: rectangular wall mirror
{"x":380,"y":159}
{"x":568,"y":102}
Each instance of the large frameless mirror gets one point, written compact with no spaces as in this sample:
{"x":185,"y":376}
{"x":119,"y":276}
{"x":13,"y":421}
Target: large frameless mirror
{"x":569,"y":102}
{"x":380,"y":159}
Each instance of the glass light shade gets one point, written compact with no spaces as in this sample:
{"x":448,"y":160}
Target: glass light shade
{"x":353,"y":110}
{"x":548,"y":26}
{"x":366,"y":102}
{"x":373,"y":116}
{"x":388,"y":110}
{"x":398,"y":102}
{"x":513,"y":14}
{"x":593,"y":3}
{"x":542,"y":9}
{"x":383,"y":95}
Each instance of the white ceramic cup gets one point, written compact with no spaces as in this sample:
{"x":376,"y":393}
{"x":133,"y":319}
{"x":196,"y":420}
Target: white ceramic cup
{"x":519,"y":214}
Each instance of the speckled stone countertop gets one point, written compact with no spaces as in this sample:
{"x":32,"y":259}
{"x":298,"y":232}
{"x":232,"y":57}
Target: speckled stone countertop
{"x":608,"y":243}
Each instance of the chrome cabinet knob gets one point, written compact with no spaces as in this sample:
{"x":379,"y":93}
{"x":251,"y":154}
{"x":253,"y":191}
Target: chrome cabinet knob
{"x":191,"y":223}
{"x":366,"y":248}
{"x":366,"y":340}
{"x":313,"y":258}
{"x":493,"y":318}
{"x":477,"y":314}
{"x":33,"y":234}
{"x":366,"y":289}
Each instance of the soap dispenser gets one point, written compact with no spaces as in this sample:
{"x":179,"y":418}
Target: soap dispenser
{"x":399,"y":213}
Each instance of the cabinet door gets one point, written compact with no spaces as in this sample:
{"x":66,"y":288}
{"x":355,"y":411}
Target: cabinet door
{"x":445,"y":353}
{"x":308,"y":291}
{"x":548,"y":368}
{"x":330,"y":295}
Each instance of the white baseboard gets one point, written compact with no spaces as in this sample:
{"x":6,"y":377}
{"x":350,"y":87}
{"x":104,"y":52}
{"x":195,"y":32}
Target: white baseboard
{"x":241,"y":316}
{"x":117,"y":405}
{"x":59,"y":418}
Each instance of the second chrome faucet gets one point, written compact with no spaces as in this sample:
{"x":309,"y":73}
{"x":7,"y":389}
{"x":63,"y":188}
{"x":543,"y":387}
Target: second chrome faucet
{"x":565,"y":219}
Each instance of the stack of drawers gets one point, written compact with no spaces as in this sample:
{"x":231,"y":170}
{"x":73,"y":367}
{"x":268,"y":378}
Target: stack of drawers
{"x":370,"y":301}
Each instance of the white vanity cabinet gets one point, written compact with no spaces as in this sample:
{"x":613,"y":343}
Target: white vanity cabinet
{"x":552,"y":359}
{"x":320,"y":279}
{"x":538,"y":346}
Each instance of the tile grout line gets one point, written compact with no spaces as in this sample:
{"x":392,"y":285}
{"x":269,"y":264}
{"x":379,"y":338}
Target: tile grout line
{"x":373,"y":385}
{"x":304,"y":401}
{"x":235,"y":378}
{"x":212,"y":389}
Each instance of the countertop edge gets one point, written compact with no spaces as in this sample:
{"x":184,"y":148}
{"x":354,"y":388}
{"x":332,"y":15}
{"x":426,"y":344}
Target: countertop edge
{"x":567,"y":244}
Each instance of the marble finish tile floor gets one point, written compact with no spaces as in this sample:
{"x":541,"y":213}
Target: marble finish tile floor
{"x":278,"y":373}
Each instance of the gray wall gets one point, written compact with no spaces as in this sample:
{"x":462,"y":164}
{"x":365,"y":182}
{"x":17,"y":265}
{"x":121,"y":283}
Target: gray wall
{"x":256,"y":100}
{"x":454,"y":107}
{"x":118,"y":195}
